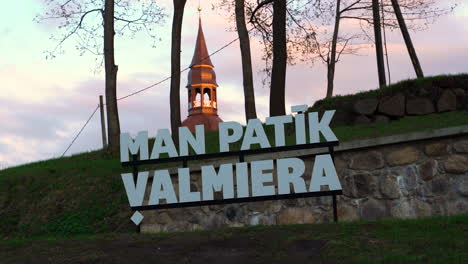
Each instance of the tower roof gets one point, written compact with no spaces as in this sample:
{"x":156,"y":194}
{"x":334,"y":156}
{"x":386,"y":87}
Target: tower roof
{"x":201,"y":55}
{"x":201,"y":69}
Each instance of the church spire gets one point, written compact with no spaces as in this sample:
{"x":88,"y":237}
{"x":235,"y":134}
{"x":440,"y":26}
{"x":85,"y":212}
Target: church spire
{"x":201,"y":88}
{"x":201,"y":55}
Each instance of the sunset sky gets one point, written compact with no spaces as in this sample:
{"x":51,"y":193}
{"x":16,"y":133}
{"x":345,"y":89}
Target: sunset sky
{"x":43,"y":103}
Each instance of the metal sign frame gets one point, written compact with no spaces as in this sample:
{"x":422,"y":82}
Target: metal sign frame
{"x":241,"y":154}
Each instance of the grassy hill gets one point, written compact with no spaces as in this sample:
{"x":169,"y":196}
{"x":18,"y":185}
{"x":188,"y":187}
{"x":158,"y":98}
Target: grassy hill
{"x":83,"y":194}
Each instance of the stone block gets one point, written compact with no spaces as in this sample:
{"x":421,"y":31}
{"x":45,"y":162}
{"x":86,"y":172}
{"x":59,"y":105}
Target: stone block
{"x":419,"y":106}
{"x":347,"y":212}
{"x":436,"y":149}
{"x":462,"y":186}
{"x":456,"y":164}
{"x":427,"y":170}
{"x":359,"y":185}
{"x":393,"y":105}
{"x":295,"y":215}
{"x":389,"y":187}
{"x":447,"y":102}
{"x":402,"y":156}
{"x":381,"y":119}
{"x":370,"y":160}
{"x":361,"y":120}
{"x":373,"y":210}
{"x":366,"y":106}
{"x":461,"y":146}
{"x":439,"y":186}
{"x":461,"y":96}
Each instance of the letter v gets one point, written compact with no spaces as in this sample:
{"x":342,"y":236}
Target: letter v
{"x":136,"y":193}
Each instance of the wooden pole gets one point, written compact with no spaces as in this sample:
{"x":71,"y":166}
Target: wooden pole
{"x":407,"y":38}
{"x":103,"y":123}
{"x":378,"y":43}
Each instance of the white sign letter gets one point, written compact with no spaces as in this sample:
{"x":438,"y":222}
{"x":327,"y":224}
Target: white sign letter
{"x":127,"y":144}
{"x":162,"y":188}
{"x":225,"y":138}
{"x":184,"y":187}
{"x":285,"y":176}
{"x":197,"y":142}
{"x":315,"y":127}
{"x":222,"y":181}
{"x":259,"y":178}
{"x":163,"y":144}
{"x":254,"y":126}
{"x":136,"y":193}
{"x":324,"y":173}
{"x":278,"y":122}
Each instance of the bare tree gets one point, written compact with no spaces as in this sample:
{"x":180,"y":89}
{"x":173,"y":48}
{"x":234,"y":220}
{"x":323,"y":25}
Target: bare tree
{"x":93,"y":25}
{"x":236,"y":9}
{"x":247,"y":74}
{"x":419,"y":13}
{"x":407,"y":38}
{"x":378,"y":43}
{"x":179,"y":6}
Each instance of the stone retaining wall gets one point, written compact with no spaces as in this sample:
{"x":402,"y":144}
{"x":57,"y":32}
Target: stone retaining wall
{"x":403,"y":179}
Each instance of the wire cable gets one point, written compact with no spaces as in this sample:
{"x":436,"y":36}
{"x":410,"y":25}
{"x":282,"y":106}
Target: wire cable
{"x":81,"y":130}
{"x":146,"y":88}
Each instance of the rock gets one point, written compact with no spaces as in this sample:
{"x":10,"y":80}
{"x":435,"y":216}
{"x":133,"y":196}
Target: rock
{"x":373,"y":210}
{"x":427,"y":170}
{"x":408,"y":180}
{"x":402,"y":156}
{"x":381,"y":119}
{"x":346,"y":212}
{"x":461,"y":98}
{"x":419,"y":106}
{"x":389,"y":187}
{"x":402,"y":208}
{"x":422,"y":209}
{"x":436,"y":149}
{"x":231,"y":213}
{"x":294,"y":215}
{"x":163,"y":218}
{"x":366,"y":106}
{"x":456,"y":164}
{"x":462,"y":186}
{"x":393,"y":105}
{"x":370,"y":160}
{"x":461,"y":146}
{"x":457,"y":207}
{"x":359,"y":185}
{"x":362,"y":119}
{"x":439,"y":186}
{"x":447,"y":102}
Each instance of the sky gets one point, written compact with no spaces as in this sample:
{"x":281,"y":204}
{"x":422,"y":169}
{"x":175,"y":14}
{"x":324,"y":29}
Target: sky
{"x":45,"y":102}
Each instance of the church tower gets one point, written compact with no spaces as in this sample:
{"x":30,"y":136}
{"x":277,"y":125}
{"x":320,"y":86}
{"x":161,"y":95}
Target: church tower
{"x":201,"y":87}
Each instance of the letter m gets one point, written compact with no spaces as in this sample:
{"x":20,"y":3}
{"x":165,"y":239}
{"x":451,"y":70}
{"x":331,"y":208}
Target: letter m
{"x":127,"y":144}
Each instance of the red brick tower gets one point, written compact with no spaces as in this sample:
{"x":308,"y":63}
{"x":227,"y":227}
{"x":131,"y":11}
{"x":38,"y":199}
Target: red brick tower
{"x":202,"y":100}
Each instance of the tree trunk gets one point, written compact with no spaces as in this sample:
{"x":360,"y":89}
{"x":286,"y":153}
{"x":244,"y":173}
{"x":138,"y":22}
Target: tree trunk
{"x":278,"y":72}
{"x":407,"y":38}
{"x":249,"y":96}
{"x":332,"y":61}
{"x":378,"y":43}
{"x":175,"y":67}
{"x":113,"y":124}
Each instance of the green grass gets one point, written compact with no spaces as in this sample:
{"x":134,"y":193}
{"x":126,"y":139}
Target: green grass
{"x":83,"y":194}
{"x":428,"y":240}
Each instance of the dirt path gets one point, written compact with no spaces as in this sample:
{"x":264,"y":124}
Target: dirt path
{"x":244,"y":249}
